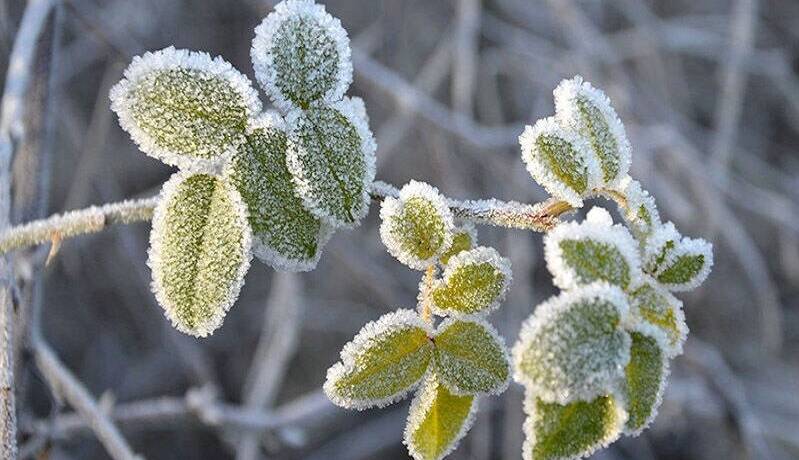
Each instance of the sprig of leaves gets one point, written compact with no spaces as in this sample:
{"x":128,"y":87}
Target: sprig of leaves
{"x":281,"y":184}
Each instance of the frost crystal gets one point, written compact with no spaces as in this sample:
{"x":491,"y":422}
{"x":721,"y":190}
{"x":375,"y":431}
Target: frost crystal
{"x":593,"y":250}
{"x":587,"y":111}
{"x":184,"y":108}
{"x":331,"y":157}
{"x":475,"y":281}
{"x":437,"y":420}
{"x":285,"y":235}
{"x":417,"y":227}
{"x":559,"y":160}
{"x":471,"y":357}
{"x":301,"y":55}
{"x":199,"y":251}
{"x":383,"y":363}
{"x":573,"y":348}
{"x":571,"y":431}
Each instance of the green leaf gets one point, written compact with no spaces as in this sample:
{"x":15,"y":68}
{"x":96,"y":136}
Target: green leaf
{"x":645,"y":381}
{"x":659,"y":246}
{"x":471,"y":357}
{"x":184,"y":108}
{"x":475,"y":281}
{"x":199,"y":251}
{"x":593,"y":250}
{"x":301,"y":54}
{"x":437,"y":421}
{"x":559,"y":160}
{"x":573,"y":347}
{"x":641,"y":212}
{"x":416,"y":227}
{"x":464,"y":238}
{"x":385,"y":361}
{"x":687,"y":266}
{"x":331,"y":159}
{"x":587,"y":111}
{"x":657,"y":307}
{"x":574,"y":430}
{"x":285,"y":235}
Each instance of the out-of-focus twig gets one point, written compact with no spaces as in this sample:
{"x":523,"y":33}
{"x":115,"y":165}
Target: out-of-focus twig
{"x":11,"y":132}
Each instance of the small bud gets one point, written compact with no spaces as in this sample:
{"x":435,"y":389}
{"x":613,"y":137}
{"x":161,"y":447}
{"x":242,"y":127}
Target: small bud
{"x":416,"y":227}
{"x":475,"y":281}
{"x":464,"y":237}
{"x":641,"y":212}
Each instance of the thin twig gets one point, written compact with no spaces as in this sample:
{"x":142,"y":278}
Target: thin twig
{"x":11,"y":132}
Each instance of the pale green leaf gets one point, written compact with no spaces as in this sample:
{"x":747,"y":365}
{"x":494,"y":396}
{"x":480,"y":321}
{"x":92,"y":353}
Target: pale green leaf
{"x":416,"y":227}
{"x":331,"y":159}
{"x":437,"y":420}
{"x":573,"y":347}
{"x":645,"y":380}
{"x":687,"y":266}
{"x":464,"y":237}
{"x":199,"y":251}
{"x":651,"y":304}
{"x":592,"y":250}
{"x":285,"y":235}
{"x":471,"y":357}
{"x":385,"y":361}
{"x":184,"y":108}
{"x":559,"y":160}
{"x":641,"y":212}
{"x":570,"y":431}
{"x":301,"y":54}
{"x":587,"y":111}
{"x":475,"y":281}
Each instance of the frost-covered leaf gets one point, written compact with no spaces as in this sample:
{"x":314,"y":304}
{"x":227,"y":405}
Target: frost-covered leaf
{"x":285,"y":235}
{"x":641,"y":213}
{"x":687,"y":266}
{"x":416,"y":227}
{"x":301,"y":54}
{"x":199,"y":251}
{"x":437,"y":420}
{"x":471,"y":357}
{"x":570,"y":431}
{"x":385,"y":361}
{"x":464,"y":237}
{"x":592,"y":250}
{"x":331,"y":157}
{"x":659,"y":245}
{"x":645,"y":379}
{"x":587,"y":111}
{"x":559,"y":160}
{"x":573,"y":347}
{"x":475,"y":281}
{"x":652,"y":304}
{"x":183,"y":107}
